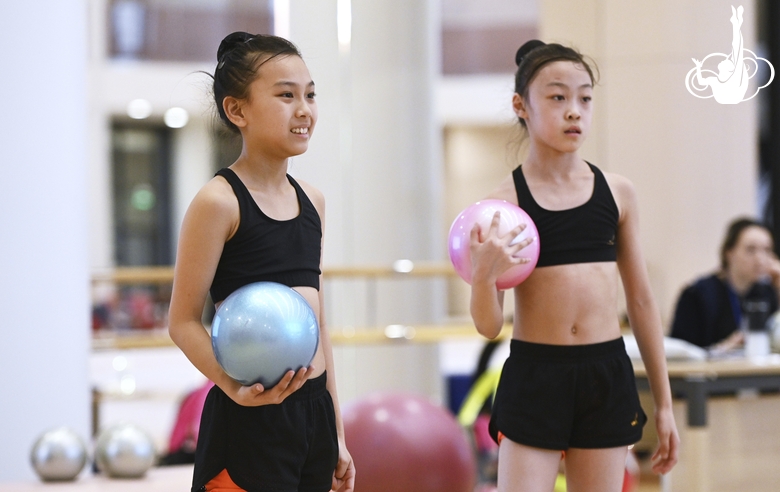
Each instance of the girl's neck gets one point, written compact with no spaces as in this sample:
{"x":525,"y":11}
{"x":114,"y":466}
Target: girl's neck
{"x":545,"y":160}
{"x":260,"y":170}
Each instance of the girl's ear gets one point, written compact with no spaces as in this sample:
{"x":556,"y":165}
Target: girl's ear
{"x":234,"y":110}
{"x":518,"y":105}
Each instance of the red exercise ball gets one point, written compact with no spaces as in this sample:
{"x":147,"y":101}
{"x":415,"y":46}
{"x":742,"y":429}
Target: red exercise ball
{"x":631,"y":475}
{"x":402,"y":442}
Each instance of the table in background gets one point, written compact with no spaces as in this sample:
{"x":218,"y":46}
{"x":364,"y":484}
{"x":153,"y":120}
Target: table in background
{"x":695,"y":382}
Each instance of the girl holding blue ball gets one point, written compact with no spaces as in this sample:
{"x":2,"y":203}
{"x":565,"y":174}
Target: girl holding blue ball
{"x":568,"y":384}
{"x":253,"y":222}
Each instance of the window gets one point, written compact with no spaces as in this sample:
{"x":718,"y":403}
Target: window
{"x":141,"y":184}
{"x":180,"y":30}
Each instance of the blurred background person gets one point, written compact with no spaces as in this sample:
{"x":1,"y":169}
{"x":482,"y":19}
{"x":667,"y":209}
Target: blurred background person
{"x":709,"y":312}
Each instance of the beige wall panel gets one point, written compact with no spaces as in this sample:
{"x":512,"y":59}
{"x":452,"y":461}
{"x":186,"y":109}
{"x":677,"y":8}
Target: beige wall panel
{"x":693,"y":163}
{"x":571,"y":23}
{"x":670,"y":29}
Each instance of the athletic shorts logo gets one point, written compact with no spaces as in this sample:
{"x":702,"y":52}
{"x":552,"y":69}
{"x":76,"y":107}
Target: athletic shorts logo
{"x":729,"y":85}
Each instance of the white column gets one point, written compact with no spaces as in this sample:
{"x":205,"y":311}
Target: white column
{"x":376,"y":149}
{"x":313,"y":29}
{"x":375,"y":155}
{"x":396,"y":167}
{"x":44,"y":297}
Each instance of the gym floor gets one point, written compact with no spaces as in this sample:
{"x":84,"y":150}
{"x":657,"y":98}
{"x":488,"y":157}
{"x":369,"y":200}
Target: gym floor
{"x":171,"y":478}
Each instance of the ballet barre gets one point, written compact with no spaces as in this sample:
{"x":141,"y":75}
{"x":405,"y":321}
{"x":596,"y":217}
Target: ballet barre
{"x":164,"y":274}
{"x":348,"y":335}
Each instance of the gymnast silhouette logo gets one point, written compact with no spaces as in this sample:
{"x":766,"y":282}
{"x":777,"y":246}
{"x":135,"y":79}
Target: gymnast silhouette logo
{"x":730,"y":84}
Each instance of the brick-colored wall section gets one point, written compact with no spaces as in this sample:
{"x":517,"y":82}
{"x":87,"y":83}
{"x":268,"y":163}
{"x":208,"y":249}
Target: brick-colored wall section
{"x":482,"y":49}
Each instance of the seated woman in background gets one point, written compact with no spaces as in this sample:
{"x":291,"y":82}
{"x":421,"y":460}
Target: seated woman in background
{"x":709,"y":312}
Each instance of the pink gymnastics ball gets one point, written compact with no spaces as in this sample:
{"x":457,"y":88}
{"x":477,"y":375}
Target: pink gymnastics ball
{"x":482,"y":212}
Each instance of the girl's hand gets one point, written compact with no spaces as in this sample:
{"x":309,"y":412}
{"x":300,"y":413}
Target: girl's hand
{"x":256,"y":395}
{"x":491,"y":254}
{"x":735,"y":340}
{"x":344,"y":474}
{"x":665,"y":457}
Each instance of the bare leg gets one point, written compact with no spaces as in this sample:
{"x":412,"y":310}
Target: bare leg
{"x":595,"y":469}
{"x":525,"y":469}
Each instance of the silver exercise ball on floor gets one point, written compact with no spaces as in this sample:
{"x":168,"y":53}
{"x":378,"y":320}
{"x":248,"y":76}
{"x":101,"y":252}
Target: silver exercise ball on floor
{"x":124,"y":451}
{"x":58,"y":455}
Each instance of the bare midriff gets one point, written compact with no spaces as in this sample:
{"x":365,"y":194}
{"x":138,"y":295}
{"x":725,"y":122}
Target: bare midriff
{"x":313,"y":298}
{"x":568,"y":305}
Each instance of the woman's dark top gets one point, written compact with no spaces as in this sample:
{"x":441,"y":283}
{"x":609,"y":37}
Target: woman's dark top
{"x":264,"y":249}
{"x":582,"y":234}
{"x":709,"y":310}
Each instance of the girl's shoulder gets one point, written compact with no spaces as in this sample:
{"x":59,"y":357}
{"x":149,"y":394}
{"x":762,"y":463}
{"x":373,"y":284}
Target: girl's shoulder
{"x":217,"y":195}
{"x":619,"y":184}
{"x":623,"y":192}
{"x":314,"y":194}
{"x":310,"y":190}
{"x":505,"y":190}
{"x":214,"y":209}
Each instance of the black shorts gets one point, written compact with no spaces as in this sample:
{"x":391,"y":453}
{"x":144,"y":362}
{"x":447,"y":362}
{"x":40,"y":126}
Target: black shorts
{"x":562,"y":396}
{"x":289,"y":447}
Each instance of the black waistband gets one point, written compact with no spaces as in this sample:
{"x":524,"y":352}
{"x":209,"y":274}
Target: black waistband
{"x":312,"y":388}
{"x":571,"y":353}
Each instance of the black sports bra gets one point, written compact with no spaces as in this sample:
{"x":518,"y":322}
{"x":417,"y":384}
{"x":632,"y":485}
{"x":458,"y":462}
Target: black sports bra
{"x":583,"y":234}
{"x":265,"y":249}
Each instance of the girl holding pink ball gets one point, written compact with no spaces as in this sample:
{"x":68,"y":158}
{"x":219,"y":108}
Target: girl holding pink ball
{"x":568,"y":384}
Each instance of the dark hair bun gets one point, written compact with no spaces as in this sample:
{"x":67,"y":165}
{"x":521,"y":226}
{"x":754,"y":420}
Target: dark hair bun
{"x":527,"y":48}
{"x":231,"y":41}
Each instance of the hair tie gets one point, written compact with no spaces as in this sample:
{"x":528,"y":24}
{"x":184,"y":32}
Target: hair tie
{"x":526,"y":48}
{"x":231,"y":42}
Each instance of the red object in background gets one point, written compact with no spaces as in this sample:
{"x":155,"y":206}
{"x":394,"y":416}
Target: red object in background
{"x":404,"y":442}
{"x":482,"y":438}
{"x":631,"y":476}
{"x":101,"y":315}
{"x":141,"y":307}
{"x":184,"y":436}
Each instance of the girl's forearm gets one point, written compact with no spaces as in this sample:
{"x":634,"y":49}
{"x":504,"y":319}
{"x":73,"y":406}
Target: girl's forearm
{"x":646,"y":325}
{"x":327,"y":349}
{"x":195,"y":342}
{"x":487,"y":309}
